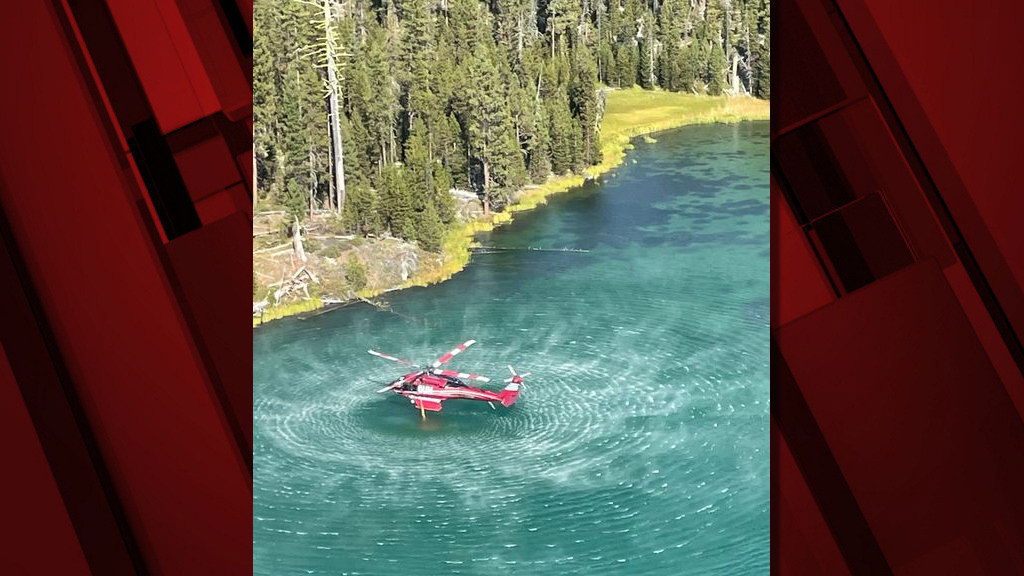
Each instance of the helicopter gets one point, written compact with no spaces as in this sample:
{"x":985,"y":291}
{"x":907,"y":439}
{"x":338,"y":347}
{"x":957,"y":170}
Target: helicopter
{"x":428,"y":386}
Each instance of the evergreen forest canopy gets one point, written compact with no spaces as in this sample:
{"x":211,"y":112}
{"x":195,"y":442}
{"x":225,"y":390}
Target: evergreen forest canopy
{"x":481,"y":96}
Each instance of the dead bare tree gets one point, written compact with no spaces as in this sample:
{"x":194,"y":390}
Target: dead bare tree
{"x":326,"y":54}
{"x":333,"y":92}
{"x":300,"y":253}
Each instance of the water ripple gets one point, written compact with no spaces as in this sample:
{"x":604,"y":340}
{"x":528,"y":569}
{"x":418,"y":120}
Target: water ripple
{"x":638,"y":446}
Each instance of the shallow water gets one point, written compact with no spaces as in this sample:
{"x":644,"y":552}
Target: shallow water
{"x":640,"y":443}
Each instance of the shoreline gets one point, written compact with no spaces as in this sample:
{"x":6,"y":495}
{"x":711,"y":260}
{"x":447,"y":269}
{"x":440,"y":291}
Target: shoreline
{"x":617,"y":134}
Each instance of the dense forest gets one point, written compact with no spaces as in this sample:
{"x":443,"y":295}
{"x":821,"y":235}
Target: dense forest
{"x":376,"y":109}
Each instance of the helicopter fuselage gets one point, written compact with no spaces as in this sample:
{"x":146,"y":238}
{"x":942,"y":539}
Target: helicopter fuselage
{"x":432,"y":388}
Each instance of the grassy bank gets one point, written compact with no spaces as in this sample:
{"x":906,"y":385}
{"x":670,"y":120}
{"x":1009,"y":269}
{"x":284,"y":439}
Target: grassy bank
{"x":628,"y":113}
{"x":289,"y":309}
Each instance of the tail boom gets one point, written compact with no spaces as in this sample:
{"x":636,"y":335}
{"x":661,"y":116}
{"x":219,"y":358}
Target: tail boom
{"x":509,"y":394}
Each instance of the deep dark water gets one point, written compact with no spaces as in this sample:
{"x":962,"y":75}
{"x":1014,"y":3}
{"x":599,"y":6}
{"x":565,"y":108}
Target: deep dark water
{"x":640,"y":444}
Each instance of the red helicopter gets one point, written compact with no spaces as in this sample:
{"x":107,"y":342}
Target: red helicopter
{"x":429,"y":386}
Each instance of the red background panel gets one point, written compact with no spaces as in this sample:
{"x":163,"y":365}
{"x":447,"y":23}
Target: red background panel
{"x":898,"y":397}
{"x":207,"y":167}
{"x":125,"y":230}
{"x":212,"y":39}
{"x":972,"y":116}
{"x":802,"y":287}
{"x":897,"y":380}
{"x":222,"y":318}
{"x":801,"y":540}
{"x":944,"y":68}
{"x":891,"y":397}
{"x":43,"y":539}
{"x":166,"y":61}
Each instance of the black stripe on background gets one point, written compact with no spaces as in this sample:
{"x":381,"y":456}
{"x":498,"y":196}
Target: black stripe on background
{"x":163,"y":180}
{"x":822,"y":474}
{"x":71,"y":449}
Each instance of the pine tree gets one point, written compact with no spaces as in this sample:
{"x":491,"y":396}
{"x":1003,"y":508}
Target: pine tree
{"x":606,"y":68}
{"x":645,"y":73}
{"x":429,"y":229}
{"x":454,"y":154}
{"x":467,"y":94}
{"x":382,"y":105}
{"x":689,"y":66}
{"x":539,"y":150}
{"x":761,"y":69}
{"x":562,"y":15}
{"x":361,"y":211}
{"x":355,"y":273}
{"x":264,"y":97}
{"x":560,"y":135}
{"x":626,"y":59}
{"x":670,"y":73}
{"x":716,"y":70}
{"x":583,"y":103}
{"x":444,"y":204}
{"x":395,"y":202}
{"x":418,"y":161}
{"x":491,"y":134}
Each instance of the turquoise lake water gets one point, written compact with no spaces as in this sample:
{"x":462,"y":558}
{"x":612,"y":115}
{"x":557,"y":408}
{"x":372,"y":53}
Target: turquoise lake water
{"x":638,"y":446}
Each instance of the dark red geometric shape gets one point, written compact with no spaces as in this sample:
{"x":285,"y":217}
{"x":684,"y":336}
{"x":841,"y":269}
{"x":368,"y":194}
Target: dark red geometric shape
{"x":916,"y":419}
{"x":134,"y":373}
{"x":899,"y":396}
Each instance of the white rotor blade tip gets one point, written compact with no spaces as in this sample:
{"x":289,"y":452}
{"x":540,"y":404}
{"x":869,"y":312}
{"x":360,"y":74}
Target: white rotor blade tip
{"x":512,"y":370}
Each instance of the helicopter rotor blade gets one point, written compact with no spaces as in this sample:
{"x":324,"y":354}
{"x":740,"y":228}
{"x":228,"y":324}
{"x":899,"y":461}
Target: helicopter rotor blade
{"x":392,"y":358}
{"x":455,"y":351}
{"x":386,"y":388}
{"x":512,"y":370}
{"x":463,"y":375}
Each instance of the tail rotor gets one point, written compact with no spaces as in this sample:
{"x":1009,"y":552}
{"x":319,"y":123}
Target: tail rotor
{"x":511,"y":392}
{"x":516,"y":377}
